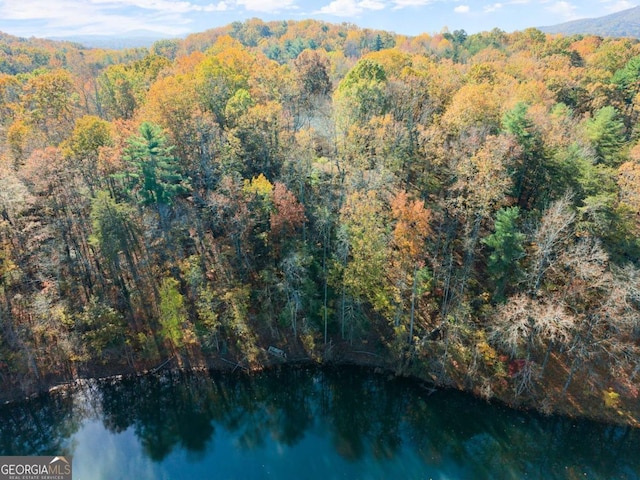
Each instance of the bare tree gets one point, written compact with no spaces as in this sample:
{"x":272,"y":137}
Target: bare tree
{"x":525,"y":326}
{"x":553,"y":230}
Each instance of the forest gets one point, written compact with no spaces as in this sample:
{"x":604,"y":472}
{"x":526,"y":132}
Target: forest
{"x":460,"y":208}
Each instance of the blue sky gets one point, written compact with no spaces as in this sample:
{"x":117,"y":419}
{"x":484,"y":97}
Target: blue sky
{"x":42,"y":18}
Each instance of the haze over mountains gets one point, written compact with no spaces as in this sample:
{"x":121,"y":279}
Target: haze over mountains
{"x":620,"y":24}
{"x":133,"y":39}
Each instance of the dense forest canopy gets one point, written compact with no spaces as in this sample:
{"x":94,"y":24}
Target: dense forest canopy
{"x":465,"y":207}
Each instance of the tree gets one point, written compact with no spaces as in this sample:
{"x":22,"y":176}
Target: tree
{"x":605,"y":132}
{"x":294,"y":268}
{"x":365,"y":275}
{"x":524,"y":324}
{"x":122,"y":88}
{"x":10,"y":89}
{"x":530,"y":170}
{"x":119,"y":92}
{"x":410,"y":235}
{"x":225,"y":70}
{"x":50,"y":102}
{"x":287,"y":215}
{"x":83,"y":146}
{"x":173,"y":313}
{"x":629,"y":183}
{"x":362,"y":93}
{"x":313,"y":85}
{"x":258,"y":140}
{"x":101,"y":330}
{"x":166,"y":47}
{"x":627,"y":85}
{"x":506,"y":243}
{"x":155,"y":175}
{"x":173,"y":103}
{"x":473,"y":106}
{"x":553,"y":231}
{"x":115,"y":234}
{"x":481,"y":186}
{"x":312,"y":74}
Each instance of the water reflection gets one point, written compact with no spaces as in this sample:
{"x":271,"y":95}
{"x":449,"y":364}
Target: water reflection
{"x":306,"y":423}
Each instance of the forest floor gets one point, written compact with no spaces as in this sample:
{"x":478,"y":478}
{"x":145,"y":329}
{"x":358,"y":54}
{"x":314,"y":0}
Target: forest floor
{"x":593,"y":395}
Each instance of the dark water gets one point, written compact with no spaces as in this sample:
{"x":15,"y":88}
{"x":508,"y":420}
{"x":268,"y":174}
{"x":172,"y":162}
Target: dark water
{"x":306,"y":424}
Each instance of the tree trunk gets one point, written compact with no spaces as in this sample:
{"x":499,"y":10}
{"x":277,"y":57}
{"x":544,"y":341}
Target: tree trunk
{"x":413,"y":302}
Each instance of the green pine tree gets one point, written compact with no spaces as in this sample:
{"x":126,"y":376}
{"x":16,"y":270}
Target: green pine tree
{"x":507,"y":248}
{"x":156,"y":175}
{"x":605,"y":131}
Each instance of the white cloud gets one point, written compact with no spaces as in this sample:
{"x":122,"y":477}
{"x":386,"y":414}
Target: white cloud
{"x":462,"y":9}
{"x":350,"y":8}
{"x":619,"y":5}
{"x":218,"y":7}
{"x":342,"y":8}
{"x":411,"y":3}
{"x":99,"y":16}
{"x":372,"y":5}
{"x":492,"y":8}
{"x":563,"y":9}
{"x":165,"y":6}
{"x":266,"y":6}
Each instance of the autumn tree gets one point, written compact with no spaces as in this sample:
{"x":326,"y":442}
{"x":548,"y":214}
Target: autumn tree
{"x":83,"y":146}
{"x":173,"y":313}
{"x":410,"y":234}
{"x":522,"y":325}
{"x":173,"y":103}
{"x":286,"y":217}
{"x":50,"y":100}
{"x":480,"y":188}
{"x":312,"y":81}
{"x":473,"y":106}
{"x":365,"y":277}
{"x":257,"y":140}
{"x":122,"y":87}
{"x":553,"y":231}
{"x":116,"y":235}
{"x":224,"y":71}
{"x":362,"y":94}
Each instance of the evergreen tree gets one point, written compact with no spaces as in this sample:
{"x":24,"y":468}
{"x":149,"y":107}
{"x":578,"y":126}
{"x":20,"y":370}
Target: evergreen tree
{"x":156,"y":176}
{"x":605,"y":131}
{"x":506,"y":244}
{"x":531,"y":169}
{"x":377,"y":44}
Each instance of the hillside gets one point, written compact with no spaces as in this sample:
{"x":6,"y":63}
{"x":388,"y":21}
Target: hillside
{"x":462,"y":208}
{"x":620,"y":24}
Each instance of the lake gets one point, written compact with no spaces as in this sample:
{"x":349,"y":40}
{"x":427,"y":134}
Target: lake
{"x":305,"y":423}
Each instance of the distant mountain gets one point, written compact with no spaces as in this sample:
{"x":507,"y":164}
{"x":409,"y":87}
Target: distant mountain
{"x":133,"y":39}
{"x":621,"y":24}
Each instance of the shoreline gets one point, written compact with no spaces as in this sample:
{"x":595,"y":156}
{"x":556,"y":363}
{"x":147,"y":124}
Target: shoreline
{"x":348,"y":359}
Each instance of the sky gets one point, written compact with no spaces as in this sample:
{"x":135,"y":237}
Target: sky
{"x":51,"y":18}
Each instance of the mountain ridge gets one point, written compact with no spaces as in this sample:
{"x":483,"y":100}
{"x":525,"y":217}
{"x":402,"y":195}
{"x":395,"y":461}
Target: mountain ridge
{"x":625,"y":23}
{"x":133,"y":39}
